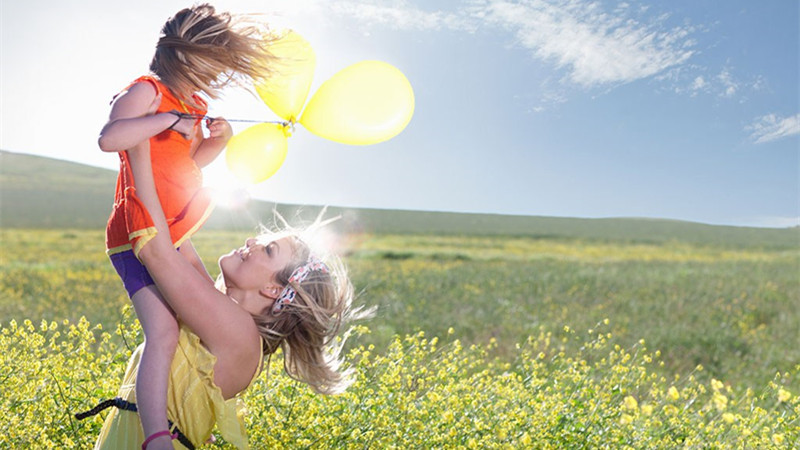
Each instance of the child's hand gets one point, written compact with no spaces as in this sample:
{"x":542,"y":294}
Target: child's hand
{"x":185,"y":126}
{"x":219,"y":128}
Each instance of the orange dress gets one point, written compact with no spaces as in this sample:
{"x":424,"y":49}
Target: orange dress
{"x":178,"y":180}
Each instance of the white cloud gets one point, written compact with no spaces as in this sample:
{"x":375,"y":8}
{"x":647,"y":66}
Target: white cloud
{"x":772,"y":127}
{"x":694,"y":79}
{"x":729,"y":85}
{"x":399,"y":15}
{"x":698,"y":83}
{"x":594,"y":47}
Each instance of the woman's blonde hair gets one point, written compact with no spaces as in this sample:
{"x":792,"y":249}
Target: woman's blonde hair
{"x":306,"y":329}
{"x":202,"y":50}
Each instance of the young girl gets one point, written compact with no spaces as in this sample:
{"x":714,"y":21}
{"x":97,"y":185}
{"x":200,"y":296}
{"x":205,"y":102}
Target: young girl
{"x":154,"y":126}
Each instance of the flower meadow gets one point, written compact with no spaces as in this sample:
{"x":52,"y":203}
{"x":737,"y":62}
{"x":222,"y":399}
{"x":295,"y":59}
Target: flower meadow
{"x":478,"y":343}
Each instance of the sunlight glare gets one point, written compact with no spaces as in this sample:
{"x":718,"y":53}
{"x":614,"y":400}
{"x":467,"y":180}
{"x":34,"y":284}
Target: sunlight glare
{"x":228,"y":192}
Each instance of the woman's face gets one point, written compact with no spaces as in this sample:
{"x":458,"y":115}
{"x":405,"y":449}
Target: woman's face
{"x":254,"y":266}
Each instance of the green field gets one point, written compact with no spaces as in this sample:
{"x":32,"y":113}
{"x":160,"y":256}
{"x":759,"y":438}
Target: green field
{"x":506,"y":332}
{"x":705,"y":313}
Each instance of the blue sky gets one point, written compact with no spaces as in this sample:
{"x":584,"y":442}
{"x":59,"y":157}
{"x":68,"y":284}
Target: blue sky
{"x":687,"y":109}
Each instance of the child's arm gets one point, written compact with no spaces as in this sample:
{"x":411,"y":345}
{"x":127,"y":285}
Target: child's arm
{"x":132,"y":120}
{"x":220,"y":133}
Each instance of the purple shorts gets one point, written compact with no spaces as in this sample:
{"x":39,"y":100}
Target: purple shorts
{"x":133,"y":273}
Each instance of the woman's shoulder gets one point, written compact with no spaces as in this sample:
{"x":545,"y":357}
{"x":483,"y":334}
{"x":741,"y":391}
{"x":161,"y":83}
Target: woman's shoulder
{"x":239,"y":362}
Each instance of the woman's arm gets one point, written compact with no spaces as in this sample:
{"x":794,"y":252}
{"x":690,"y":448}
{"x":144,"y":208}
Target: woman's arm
{"x":142,"y":170}
{"x":128,"y":117}
{"x":227,"y":330}
{"x":188,"y":251}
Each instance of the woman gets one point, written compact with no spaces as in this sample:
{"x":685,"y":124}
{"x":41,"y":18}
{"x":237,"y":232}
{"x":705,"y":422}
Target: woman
{"x":272,"y":292}
{"x":154,"y":127}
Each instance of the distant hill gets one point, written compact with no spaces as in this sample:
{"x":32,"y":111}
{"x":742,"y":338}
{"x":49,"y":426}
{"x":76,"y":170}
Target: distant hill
{"x":38,"y":192}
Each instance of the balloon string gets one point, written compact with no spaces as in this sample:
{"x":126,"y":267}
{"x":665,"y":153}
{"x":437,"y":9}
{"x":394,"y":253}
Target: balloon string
{"x":202,"y":117}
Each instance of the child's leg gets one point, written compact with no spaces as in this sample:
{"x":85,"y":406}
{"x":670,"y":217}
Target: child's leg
{"x":161,"y":337}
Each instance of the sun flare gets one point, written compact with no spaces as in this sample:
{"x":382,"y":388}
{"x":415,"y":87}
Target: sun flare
{"x":228,"y":191}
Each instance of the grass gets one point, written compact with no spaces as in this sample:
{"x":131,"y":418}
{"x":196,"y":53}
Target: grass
{"x":491,"y":331}
{"x":727,"y":309}
{"x":479,"y":342}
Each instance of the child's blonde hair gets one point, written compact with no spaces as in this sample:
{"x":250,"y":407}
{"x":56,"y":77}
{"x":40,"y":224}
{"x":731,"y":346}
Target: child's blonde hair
{"x":306,"y":329}
{"x":202,"y":50}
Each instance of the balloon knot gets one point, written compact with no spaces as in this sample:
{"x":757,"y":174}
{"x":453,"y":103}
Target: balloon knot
{"x":288,"y":128}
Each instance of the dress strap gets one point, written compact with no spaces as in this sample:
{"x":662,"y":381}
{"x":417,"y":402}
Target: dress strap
{"x":105,"y":404}
{"x":130,"y":406}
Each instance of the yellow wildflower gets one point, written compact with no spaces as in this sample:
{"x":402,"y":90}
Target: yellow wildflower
{"x":728,"y":417}
{"x":672,"y":393}
{"x":784,"y":395}
{"x":448,"y":416}
{"x":630,"y":403}
{"x":720,"y":401}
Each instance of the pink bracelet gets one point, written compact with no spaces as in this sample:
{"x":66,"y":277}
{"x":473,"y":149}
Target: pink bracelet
{"x":157,"y":434}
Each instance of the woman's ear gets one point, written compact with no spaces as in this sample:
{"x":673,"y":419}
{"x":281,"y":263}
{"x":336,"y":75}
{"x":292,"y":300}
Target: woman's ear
{"x":271,"y":291}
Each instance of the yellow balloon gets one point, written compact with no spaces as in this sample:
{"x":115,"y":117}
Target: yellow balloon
{"x":286,"y":90}
{"x":365,"y":103}
{"x":257,"y":153}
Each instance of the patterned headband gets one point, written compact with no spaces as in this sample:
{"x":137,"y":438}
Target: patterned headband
{"x":298,"y":276}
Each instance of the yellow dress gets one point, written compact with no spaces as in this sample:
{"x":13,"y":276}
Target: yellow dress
{"x":194,"y":402}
